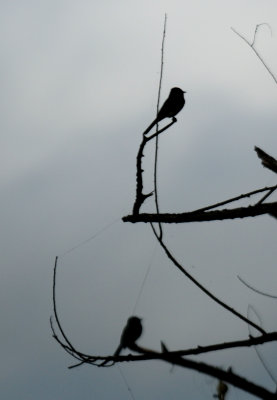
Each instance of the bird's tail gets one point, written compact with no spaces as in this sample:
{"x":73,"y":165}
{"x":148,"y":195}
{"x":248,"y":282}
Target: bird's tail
{"x":117,"y":351}
{"x":150,"y":126}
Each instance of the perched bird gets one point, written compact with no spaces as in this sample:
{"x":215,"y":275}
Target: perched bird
{"x":173,"y":104}
{"x":130,"y":334}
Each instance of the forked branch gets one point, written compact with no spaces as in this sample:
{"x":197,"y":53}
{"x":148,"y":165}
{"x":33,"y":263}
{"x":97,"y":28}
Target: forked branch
{"x":140,"y":196}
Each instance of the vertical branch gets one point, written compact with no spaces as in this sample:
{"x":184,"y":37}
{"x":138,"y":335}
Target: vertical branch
{"x":68,"y":346}
{"x":140,"y":197}
{"x":157,"y":138}
{"x":54,"y":304}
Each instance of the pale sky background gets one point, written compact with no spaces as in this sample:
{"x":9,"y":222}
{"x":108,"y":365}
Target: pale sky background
{"x":79,"y":84}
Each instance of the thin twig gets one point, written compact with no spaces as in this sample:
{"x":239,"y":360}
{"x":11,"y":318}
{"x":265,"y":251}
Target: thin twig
{"x":157,"y":137}
{"x":55,"y":307}
{"x":263,"y":362}
{"x":269,"y":193}
{"x":144,"y":279}
{"x":90,"y":238}
{"x":68,"y":346}
{"x":240,"y":197}
{"x":255,"y":289}
{"x":255,"y":51}
{"x":256,"y":31}
{"x":126,"y":383}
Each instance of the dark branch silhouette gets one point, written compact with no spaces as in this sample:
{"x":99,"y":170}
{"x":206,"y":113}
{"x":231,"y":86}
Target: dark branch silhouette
{"x":200,"y":214}
{"x":202,"y":288}
{"x":194,"y":216}
{"x":173,"y":357}
{"x":133,"y":329}
{"x":140,"y":196}
{"x":157,"y":127}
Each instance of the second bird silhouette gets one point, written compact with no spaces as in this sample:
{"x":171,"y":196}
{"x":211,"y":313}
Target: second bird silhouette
{"x":173,"y":104}
{"x":130,"y":334}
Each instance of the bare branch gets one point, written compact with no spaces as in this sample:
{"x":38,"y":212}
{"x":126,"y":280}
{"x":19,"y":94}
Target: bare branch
{"x":171,"y":357}
{"x":193,"y":216}
{"x":140,"y":197}
{"x":157,"y":137}
{"x":65,"y":343}
{"x":149,"y":354}
{"x":256,"y":31}
{"x":202,"y":288}
{"x":240,"y":197}
{"x":252,"y":45}
{"x":255,"y":289}
{"x":226,"y":376}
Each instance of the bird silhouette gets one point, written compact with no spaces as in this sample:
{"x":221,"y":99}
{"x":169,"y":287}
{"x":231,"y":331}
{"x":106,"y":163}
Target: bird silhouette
{"x":173,"y":104}
{"x":130,"y":334}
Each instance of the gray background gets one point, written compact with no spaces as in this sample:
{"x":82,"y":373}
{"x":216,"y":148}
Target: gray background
{"x":79,"y":84}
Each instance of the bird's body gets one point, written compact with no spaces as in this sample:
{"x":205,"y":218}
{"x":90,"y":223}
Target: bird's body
{"x":171,"y":107}
{"x":130,"y":334}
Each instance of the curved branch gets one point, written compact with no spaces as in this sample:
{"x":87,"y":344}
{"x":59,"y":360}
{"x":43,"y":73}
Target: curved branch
{"x":227,"y":376}
{"x":55,"y":307}
{"x":256,"y":31}
{"x":201,"y":287}
{"x":256,"y":290}
{"x":148,"y":354}
{"x":66,"y":344}
{"x":171,"y":357}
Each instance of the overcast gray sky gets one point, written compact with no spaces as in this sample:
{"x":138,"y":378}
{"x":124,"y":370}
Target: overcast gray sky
{"x":79,"y":85}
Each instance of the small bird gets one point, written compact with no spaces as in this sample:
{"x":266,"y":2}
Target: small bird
{"x":173,"y":104}
{"x":130,"y":334}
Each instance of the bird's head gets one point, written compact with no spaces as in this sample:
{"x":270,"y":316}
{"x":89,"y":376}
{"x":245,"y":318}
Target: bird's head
{"x":134,"y":319}
{"x":177,"y":91}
